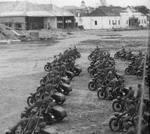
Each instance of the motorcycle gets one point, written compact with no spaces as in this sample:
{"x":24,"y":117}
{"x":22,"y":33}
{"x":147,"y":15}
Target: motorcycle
{"x":54,"y":114}
{"x":117,"y":121}
{"x":120,"y":104}
{"x":63,"y":88}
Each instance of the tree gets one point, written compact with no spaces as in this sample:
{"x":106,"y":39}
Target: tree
{"x":142,"y":9}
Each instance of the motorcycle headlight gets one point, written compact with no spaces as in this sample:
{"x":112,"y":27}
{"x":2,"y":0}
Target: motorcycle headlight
{"x":52,"y":116}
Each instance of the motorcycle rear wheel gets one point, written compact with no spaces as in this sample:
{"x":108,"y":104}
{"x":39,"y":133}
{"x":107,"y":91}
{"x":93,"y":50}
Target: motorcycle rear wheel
{"x":30,"y":101}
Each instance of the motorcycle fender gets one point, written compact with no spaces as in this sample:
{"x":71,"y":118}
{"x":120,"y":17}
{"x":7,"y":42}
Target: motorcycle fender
{"x":112,"y":116}
{"x":115,"y":100}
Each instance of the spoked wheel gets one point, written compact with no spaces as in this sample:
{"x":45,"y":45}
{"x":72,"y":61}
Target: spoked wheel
{"x":139,"y":75}
{"x":101,"y":94}
{"x":127,"y":71}
{"x":89,"y":69}
{"x":19,"y":130}
{"x":117,"y":107}
{"x":92,"y":86}
{"x":114,"y":124}
{"x":30,"y":101}
{"x":42,"y":82}
{"x":46,"y":68}
{"x":89,"y":58}
{"x":116,"y":56}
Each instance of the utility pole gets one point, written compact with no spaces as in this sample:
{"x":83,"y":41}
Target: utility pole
{"x":143,"y":84}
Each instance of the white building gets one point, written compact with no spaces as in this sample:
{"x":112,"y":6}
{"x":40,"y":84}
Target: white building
{"x":112,"y":17}
{"x":101,"y":22}
{"x":131,"y":18}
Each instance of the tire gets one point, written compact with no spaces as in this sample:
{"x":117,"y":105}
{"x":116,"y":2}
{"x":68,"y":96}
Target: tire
{"x":116,"y":56}
{"x":30,"y":101}
{"x":42,"y":82}
{"x":91,"y":86}
{"x":139,"y":75}
{"x":92,"y":73}
{"x":114,"y":124}
{"x":117,"y":107}
{"x":39,"y":89}
{"x":89,"y":58}
{"x":127,"y":71}
{"x":46,"y":68}
{"x":77,"y":72}
{"x":101,"y":94}
{"x":89,"y":69}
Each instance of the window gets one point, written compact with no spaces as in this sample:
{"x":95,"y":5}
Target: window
{"x":95,"y":22}
{"x":127,"y":22}
{"x":109,"y":22}
{"x":18,"y":26}
{"x":118,"y":22}
{"x":8,"y":24}
{"x":112,"y":21}
{"x":145,"y":21}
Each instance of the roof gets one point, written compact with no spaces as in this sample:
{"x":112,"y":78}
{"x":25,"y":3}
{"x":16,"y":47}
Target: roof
{"x":22,"y":8}
{"x":107,"y":11}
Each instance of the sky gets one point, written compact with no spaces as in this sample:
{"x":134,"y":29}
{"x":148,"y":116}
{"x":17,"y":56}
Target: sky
{"x":94,"y":3}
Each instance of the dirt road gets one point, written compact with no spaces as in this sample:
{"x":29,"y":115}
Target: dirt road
{"x":21,"y":67}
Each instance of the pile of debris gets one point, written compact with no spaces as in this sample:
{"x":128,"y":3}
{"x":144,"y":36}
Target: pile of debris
{"x":7,"y":33}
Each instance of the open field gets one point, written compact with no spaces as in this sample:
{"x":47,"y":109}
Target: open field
{"x":21,"y":67}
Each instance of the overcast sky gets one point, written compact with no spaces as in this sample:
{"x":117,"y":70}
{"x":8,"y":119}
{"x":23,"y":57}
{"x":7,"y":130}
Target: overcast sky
{"x":92,"y":2}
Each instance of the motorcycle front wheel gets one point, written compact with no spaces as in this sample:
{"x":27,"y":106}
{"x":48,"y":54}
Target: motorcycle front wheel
{"x":127,"y":71}
{"x":101,"y":94}
{"x":46,"y":68}
{"x":117,"y":107}
{"x":91,"y":86}
{"x":114,"y":124}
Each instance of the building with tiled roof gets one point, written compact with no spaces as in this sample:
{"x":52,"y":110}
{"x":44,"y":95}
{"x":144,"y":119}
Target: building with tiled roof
{"x":112,"y":17}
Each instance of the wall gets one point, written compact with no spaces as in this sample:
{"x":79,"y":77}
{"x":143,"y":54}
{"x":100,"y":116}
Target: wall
{"x":101,"y":22}
{"x":50,"y":23}
{"x":13,"y":21}
{"x":124,"y":18}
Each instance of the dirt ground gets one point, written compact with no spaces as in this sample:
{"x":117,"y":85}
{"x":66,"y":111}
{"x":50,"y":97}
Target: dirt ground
{"x":21,"y":68}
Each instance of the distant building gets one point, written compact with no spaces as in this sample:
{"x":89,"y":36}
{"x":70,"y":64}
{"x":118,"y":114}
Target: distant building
{"x":112,"y":17}
{"x":132,"y":18}
{"x":27,"y":16}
